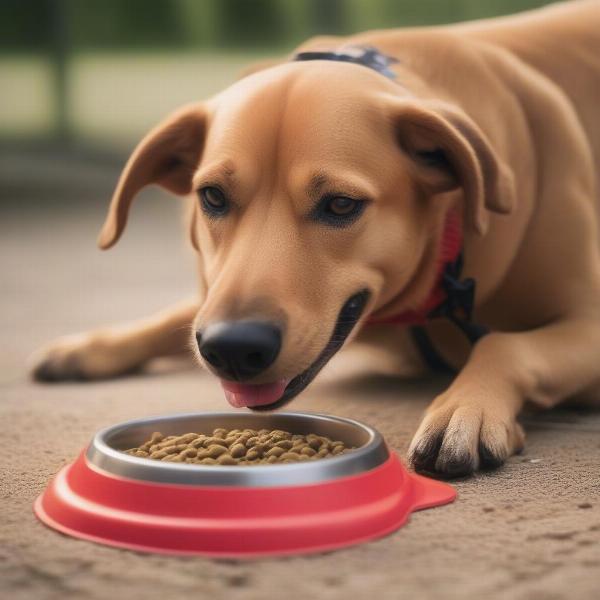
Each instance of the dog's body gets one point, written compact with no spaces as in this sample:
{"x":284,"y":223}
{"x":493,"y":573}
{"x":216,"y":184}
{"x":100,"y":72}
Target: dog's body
{"x":514,"y":104}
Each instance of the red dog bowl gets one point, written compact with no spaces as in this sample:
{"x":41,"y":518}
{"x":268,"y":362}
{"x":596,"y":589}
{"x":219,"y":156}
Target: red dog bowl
{"x":114,"y":498}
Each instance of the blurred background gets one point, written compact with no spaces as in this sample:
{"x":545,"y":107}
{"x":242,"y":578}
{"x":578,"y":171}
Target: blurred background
{"x":80,"y":82}
{"x":100,"y":72}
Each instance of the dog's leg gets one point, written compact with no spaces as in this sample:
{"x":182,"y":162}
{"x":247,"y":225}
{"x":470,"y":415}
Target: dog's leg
{"x":473,"y":424}
{"x":116,"y":350}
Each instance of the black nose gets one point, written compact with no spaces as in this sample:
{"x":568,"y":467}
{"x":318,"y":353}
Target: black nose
{"x":239,"y":350}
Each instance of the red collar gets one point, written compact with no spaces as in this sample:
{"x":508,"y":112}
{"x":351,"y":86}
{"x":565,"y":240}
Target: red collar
{"x":449,"y":252}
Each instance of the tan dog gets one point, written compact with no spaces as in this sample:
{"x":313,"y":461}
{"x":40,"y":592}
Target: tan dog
{"x":319,"y":194}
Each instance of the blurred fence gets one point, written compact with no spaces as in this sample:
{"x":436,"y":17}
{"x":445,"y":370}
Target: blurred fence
{"x":104,"y":70}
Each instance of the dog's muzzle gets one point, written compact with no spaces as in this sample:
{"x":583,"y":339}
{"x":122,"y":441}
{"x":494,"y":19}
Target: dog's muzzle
{"x":348,"y":316}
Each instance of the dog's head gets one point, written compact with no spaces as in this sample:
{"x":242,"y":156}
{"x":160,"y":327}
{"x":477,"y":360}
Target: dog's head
{"x":320,"y":193}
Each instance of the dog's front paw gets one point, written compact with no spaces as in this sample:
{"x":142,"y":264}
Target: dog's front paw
{"x":457,"y":438}
{"x":79,"y":357}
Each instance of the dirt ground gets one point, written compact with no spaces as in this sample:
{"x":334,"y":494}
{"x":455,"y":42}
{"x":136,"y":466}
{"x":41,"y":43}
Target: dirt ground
{"x":530,"y":530}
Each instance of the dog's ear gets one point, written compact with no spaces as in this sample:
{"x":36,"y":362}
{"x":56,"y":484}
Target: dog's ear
{"x":167,"y":156}
{"x":449,"y":151}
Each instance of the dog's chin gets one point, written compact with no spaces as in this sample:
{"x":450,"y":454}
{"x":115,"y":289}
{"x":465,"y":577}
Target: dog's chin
{"x":270,"y":396}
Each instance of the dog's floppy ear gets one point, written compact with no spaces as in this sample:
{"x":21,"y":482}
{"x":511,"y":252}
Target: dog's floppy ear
{"x":167,"y":156}
{"x":449,"y":151}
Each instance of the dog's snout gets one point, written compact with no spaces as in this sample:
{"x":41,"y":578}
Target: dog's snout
{"x":239,"y":350}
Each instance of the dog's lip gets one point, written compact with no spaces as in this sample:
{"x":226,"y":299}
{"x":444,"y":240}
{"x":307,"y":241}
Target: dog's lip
{"x":347,"y":319}
{"x":242,"y":395}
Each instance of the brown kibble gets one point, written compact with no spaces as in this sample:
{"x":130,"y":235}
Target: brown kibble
{"x":276,"y":452}
{"x":167,"y":443}
{"x":158,"y":454}
{"x":216,"y":450}
{"x":189,"y":453}
{"x":187,"y":438}
{"x":237,"y":450}
{"x":314,"y":443}
{"x":285,"y":444}
{"x":212,"y":441}
{"x":227,"y":459}
{"x":290,"y":456}
{"x":237,"y":447}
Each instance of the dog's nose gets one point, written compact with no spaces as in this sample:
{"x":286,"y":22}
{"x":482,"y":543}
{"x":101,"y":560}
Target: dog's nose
{"x":239,"y":350}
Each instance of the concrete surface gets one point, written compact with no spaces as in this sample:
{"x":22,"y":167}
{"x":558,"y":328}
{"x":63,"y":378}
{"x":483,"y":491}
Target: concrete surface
{"x":530,"y":530}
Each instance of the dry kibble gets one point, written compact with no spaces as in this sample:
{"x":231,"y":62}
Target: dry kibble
{"x":252,"y":454}
{"x":215,"y":450}
{"x":244,"y":447}
{"x":187,"y":438}
{"x":290,"y":456}
{"x":226,"y":459}
{"x":237,"y":450}
{"x":314,"y":443}
{"x":212,"y":441}
{"x":276,"y":452}
{"x":285,"y":444}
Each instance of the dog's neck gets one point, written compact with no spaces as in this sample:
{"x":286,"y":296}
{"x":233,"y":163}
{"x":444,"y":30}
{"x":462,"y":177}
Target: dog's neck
{"x":449,"y":297}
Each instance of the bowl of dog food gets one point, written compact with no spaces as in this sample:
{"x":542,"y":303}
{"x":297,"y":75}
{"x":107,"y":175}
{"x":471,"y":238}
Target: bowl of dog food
{"x":235,"y":484}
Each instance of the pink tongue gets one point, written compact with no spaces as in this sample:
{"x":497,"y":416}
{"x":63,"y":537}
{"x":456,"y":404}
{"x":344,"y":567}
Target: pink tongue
{"x":244,"y":394}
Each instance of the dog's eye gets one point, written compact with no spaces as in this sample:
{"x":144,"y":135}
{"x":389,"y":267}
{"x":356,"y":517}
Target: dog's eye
{"x":213,"y":201}
{"x":338,"y":211}
{"x":341,"y":206}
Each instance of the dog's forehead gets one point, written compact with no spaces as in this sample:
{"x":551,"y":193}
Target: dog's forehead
{"x":299,"y":108}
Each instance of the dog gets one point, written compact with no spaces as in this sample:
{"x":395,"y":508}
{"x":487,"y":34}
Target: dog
{"x":444,"y":179}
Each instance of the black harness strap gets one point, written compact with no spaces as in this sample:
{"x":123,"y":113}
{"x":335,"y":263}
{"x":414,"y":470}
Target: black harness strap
{"x":460,"y":301}
{"x":458,"y":309}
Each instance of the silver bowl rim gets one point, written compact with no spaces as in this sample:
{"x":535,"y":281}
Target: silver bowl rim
{"x":103,"y":457}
